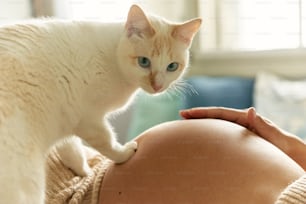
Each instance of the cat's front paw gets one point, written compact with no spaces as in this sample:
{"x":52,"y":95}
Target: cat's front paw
{"x":72,"y":154}
{"x":127,"y":151}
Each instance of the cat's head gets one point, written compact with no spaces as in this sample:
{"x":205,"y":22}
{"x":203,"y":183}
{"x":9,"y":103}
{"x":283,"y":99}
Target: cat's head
{"x":153,"y":53}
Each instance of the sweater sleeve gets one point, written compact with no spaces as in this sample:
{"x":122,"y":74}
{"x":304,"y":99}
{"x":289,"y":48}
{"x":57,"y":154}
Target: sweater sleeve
{"x":295,"y":193}
{"x":64,"y":186}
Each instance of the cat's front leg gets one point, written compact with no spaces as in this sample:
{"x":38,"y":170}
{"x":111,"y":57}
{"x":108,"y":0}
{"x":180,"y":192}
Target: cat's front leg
{"x":101,"y":137}
{"x":72,"y":154}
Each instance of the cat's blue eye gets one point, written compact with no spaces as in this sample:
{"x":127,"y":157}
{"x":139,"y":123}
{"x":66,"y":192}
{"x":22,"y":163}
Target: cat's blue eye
{"x":172,"y":67}
{"x":144,"y":62}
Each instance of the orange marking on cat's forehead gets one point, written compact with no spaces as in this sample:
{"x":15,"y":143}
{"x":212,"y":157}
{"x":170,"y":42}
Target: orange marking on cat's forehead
{"x":161,"y":43}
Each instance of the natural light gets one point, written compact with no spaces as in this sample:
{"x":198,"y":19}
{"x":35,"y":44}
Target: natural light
{"x":21,"y":10}
{"x":253,"y":25}
{"x":304,"y":22}
{"x":269,"y":24}
{"x":227,"y":24}
{"x":104,"y":10}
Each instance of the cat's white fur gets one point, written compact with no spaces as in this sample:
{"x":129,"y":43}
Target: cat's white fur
{"x":62,"y":78}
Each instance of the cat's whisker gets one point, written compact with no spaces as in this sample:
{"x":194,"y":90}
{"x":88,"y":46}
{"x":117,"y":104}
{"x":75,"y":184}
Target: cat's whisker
{"x":170,"y":94}
{"x":181,"y":88}
{"x":191,"y":90}
{"x":175,"y":91}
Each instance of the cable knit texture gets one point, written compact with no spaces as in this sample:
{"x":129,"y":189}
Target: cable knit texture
{"x":65,"y":187}
{"x":295,"y":193}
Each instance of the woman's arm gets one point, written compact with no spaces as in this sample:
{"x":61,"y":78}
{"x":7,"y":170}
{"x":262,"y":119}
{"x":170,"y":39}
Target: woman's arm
{"x":290,"y":144}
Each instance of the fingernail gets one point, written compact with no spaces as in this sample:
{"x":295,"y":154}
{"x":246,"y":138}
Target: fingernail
{"x":251,"y":113}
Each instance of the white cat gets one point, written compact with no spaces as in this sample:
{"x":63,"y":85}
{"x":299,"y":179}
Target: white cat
{"x":61,"y":78}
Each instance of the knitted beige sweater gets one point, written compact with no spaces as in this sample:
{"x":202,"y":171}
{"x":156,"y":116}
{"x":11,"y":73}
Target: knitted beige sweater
{"x":64,"y":186}
{"x":295,"y":193}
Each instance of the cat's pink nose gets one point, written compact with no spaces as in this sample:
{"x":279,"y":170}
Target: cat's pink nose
{"x":157,"y":87}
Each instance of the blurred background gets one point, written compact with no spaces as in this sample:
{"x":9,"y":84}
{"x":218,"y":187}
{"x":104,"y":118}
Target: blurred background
{"x":238,"y":42}
{"x":238,"y":37}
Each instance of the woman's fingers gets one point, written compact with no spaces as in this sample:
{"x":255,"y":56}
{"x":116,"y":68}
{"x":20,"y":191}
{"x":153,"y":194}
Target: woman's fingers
{"x":233,"y":115}
{"x":247,"y":118}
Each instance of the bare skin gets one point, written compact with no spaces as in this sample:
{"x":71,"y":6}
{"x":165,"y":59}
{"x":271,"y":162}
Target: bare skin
{"x":290,"y":144}
{"x":200,"y":161}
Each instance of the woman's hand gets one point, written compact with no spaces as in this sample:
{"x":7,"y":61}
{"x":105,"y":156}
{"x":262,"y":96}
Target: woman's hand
{"x":247,"y":118}
{"x":241,"y":117}
{"x":288,"y":143}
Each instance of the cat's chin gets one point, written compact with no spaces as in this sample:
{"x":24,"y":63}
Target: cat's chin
{"x":157,"y":94}
{"x":154,"y":93}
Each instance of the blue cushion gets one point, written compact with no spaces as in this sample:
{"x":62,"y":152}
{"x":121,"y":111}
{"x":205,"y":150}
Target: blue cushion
{"x":232,"y":92}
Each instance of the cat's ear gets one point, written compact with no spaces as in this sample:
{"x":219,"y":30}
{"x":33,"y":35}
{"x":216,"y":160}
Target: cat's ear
{"x":186,"y":31}
{"x":138,"y":24}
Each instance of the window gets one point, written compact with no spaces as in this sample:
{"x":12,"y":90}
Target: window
{"x":303,"y":23}
{"x":105,"y":10}
{"x":12,"y":10}
{"x":108,"y":10}
{"x":253,"y":24}
{"x":228,"y":25}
